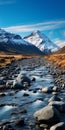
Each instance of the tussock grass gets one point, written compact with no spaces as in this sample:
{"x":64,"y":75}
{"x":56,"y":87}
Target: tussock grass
{"x":57,"y":60}
{"x":6,"y":59}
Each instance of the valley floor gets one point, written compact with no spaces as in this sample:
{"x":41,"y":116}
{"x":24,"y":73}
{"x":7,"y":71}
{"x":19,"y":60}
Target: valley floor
{"x":17,"y":106}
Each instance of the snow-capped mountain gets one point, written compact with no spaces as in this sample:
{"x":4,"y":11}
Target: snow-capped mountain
{"x":13,"y":43}
{"x":42,"y":42}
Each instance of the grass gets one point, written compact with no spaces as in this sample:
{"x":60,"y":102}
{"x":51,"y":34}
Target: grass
{"x":6,"y":59}
{"x":57,"y":59}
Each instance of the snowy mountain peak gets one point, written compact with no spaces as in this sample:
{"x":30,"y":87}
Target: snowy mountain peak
{"x":14,"y":43}
{"x":41,"y":41}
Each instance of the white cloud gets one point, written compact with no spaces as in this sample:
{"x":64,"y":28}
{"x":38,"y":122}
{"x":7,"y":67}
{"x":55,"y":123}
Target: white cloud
{"x":60,"y":43}
{"x":38,"y":26}
{"x":7,"y":2}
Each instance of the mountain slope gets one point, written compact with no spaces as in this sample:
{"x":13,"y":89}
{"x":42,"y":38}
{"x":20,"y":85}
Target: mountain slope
{"x":41,"y":41}
{"x":61,"y":51}
{"x":58,"y":58}
{"x":12,"y":43}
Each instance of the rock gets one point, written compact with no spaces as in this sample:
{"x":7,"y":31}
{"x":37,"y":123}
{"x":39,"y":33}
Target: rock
{"x":2,"y":94}
{"x":55,"y":89}
{"x":47,"y":89}
{"x":58,"y":126}
{"x":19,"y":122}
{"x":7,"y":127}
{"x":58,"y":105}
{"x":63,"y":86}
{"x":23,"y":79}
{"x":17,"y":85}
{"x":48,"y":115}
{"x":33,"y":79}
{"x":2,"y":82}
{"x":54,"y":98}
{"x":9,"y":83}
{"x":25,"y":94}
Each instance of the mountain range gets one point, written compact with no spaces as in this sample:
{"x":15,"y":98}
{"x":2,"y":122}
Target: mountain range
{"x":35,"y":43}
{"x":14,"y":44}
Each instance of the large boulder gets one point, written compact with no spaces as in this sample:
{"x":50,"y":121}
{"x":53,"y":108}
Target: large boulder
{"x":23,"y":79}
{"x":60,"y":105}
{"x":58,"y":126}
{"x":21,"y":82}
{"x":48,"y":115}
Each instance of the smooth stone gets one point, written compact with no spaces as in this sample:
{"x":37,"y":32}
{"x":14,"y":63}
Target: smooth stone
{"x":58,"y":126}
{"x":25,"y":94}
{"x":22,"y":79}
{"x":48,"y":115}
{"x":55,"y":89}
{"x":60,"y":105}
{"x":33,"y":79}
{"x":17,"y":85}
{"x":54,"y":98}
{"x":47,"y":89}
{"x":7,"y":127}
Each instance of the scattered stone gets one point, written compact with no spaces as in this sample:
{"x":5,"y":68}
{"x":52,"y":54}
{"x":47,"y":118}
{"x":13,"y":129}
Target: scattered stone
{"x":25,"y":94}
{"x":55,"y":89}
{"x":47,"y":89}
{"x":19,"y":122}
{"x":2,"y":94}
{"x":17,"y":85}
{"x":33,"y":79}
{"x":58,"y":126}
{"x":7,"y":127}
{"x":54,"y":98}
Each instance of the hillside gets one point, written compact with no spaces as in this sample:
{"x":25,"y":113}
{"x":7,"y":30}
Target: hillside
{"x":58,"y":58}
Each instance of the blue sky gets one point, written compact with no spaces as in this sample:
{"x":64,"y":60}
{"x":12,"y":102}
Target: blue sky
{"x":25,"y":16}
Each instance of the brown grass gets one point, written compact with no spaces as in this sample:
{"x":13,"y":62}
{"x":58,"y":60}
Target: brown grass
{"x":6,"y":59}
{"x":57,"y":59}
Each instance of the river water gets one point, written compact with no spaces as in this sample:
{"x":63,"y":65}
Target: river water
{"x":14,"y":100}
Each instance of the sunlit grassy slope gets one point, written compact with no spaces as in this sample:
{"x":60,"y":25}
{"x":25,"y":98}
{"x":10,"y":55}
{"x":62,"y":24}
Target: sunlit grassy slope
{"x":6,"y":59}
{"x":57,"y":59}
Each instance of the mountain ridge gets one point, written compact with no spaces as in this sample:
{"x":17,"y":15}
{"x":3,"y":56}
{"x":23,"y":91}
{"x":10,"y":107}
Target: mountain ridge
{"x":41,"y":41}
{"x":13,"y":43}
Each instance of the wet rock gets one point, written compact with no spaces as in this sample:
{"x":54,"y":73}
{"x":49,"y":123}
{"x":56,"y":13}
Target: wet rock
{"x":47,"y":89}
{"x":33,"y":79}
{"x":58,"y":126}
{"x":9,"y":83}
{"x":19,"y":122}
{"x":56,"y":89}
{"x":25,"y":94}
{"x":63,"y":86}
{"x":2,"y":82}
{"x":17,"y":85}
{"x":60,"y":105}
{"x":2,"y":94}
{"x":48,"y":115}
{"x":7,"y":127}
{"x":23,"y":79}
{"x":54,"y":98}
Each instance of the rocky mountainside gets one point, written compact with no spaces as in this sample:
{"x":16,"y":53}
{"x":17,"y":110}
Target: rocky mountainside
{"x":42,"y":42}
{"x":12,"y":43}
{"x":61,"y":51}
